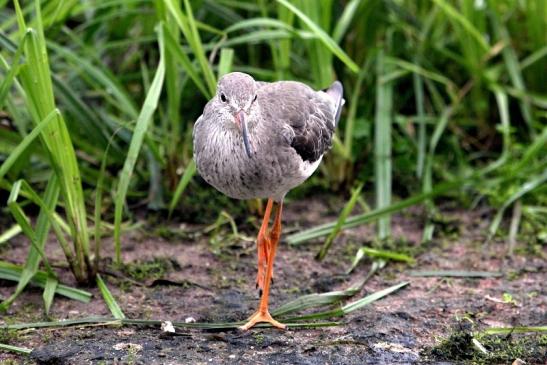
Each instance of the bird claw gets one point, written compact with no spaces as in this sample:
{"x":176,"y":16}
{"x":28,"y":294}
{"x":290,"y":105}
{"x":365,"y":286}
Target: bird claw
{"x":262,"y":316}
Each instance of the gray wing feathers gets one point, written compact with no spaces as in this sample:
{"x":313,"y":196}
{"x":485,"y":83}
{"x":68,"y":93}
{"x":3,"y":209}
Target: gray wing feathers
{"x":307,"y":117}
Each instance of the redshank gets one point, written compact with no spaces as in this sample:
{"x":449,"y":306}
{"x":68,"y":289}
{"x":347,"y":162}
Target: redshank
{"x":259,"y":140}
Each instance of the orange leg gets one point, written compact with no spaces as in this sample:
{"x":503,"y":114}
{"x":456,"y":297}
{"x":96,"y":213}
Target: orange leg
{"x":262,"y":243}
{"x":262,"y":314}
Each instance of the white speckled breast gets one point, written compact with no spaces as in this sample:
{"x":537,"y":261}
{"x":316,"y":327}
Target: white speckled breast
{"x":271,"y":172}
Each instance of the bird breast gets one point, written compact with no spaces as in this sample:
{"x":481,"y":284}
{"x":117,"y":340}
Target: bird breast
{"x":272,"y":171}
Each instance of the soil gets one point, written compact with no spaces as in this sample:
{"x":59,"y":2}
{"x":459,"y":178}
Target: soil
{"x":181,"y":273}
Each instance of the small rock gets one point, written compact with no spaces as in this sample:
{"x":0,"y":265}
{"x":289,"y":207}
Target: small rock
{"x":50,"y":355}
{"x":133,"y":347}
{"x":167,"y":326}
{"x":393,"y":347}
{"x":126,"y":332}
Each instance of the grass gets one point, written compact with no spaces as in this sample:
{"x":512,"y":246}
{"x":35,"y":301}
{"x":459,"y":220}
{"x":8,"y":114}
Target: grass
{"x":143,"y":120}
{"x":445,"y":102}
{"x":284,"y":311}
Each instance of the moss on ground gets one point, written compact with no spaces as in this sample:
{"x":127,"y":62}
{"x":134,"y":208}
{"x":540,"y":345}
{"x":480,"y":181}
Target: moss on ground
{"x":501,"y":349}
{"x":8,"y":336}
{"x":148,"y":270}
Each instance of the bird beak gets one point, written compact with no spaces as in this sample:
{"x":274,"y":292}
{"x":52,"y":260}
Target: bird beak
{"x":242,"y":124}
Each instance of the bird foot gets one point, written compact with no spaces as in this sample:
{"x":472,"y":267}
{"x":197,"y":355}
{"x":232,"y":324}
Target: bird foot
{"x":262,"y":316}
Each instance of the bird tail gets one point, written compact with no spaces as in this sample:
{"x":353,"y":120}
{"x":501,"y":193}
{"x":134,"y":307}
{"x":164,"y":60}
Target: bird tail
{"x":336,"y":92}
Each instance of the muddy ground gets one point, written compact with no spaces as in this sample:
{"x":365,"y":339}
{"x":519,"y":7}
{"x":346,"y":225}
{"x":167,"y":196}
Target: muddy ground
{"x":175,"y":273}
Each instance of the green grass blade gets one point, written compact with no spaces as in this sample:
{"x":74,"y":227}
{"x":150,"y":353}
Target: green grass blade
{"x":226,"y":61}
{"x":458,"y":18}
{"x":325,"y":229}
{"x":427,"y":180}
{"x":63,"y":323}
{"x":253,"y":23}
{"x":9,"y":233}
{"x":415,"y":68}
{"x":525,"y":188}
{"x":419,"y":96}
{"x":98,"y":209}
{"x":387,"y":255}
{"x":533,"y":58}
{"x":143,"y":121}
{"x":101,"y":76}
{"x":26,"y":142}
{"x":322,"y":36}
{"x":111,"y":303}
{"x":34,"y":255}
{"x":19,"y":350}
{"x":182,"y":58}
{"x":313,"y":300}
{"x":49,"y":292}
{"x":348,"y":208}
{"x":187,"y":25}
{"x":376,"y":264}
{"x":320,"y":57}
{"x":537,"y":148}
{"x":154,"y":323}
{"x":350,"y":307}
{"x":36,"y":80}
{"x":181,"y":186}
{"x":513,"y":68}
{"x":343,"y":23}
{"x":13,"y":71}
{"x":254,"y":38}
{"x":382,"y":143}
{"x":13,"y":273}
{"x":24,"y":222}
{"x":503,"y":110}
{"x":349,"y":131}
{"x":38,"y":238}
{"x":98,"y":204}
{"x":6,"y":43}
{"x":92,"y":125}
{"x":455,"y":274}
{"x":513,"y":330}
{"x":198,"y":48}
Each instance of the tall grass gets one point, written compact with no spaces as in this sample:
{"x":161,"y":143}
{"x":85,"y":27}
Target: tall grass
{"x":36,"y":90}
{"x":443,"y":99}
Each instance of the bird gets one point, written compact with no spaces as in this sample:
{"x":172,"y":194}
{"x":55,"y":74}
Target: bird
{"x":259,"y":139}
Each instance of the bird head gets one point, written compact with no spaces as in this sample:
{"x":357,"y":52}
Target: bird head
{"x":236,"y":95}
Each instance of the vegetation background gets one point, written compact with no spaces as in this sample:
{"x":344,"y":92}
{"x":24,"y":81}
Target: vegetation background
{"x":446,"y":103}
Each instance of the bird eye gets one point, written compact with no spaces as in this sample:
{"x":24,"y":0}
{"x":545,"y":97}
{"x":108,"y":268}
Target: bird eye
{"x":223,"y":98}
{"x":256,"y":96}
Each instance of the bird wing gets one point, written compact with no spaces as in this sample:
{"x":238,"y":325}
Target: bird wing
{"x":304,"y":117}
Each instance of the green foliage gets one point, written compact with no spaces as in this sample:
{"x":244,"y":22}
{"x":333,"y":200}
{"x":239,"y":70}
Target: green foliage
{"x":111,"y":303}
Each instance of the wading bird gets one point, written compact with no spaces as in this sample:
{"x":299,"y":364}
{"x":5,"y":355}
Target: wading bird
{"x":259,"y":140}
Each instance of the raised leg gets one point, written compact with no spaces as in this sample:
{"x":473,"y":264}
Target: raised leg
{"x":262,"y":244}
{"x":263,"y":314}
